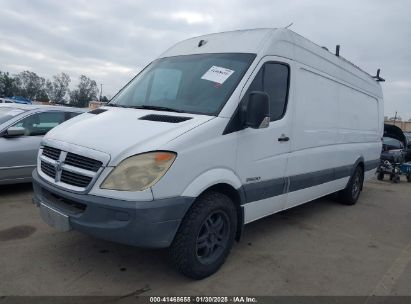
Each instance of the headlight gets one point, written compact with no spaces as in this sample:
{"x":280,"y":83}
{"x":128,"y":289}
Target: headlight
{"x":139,"y":172}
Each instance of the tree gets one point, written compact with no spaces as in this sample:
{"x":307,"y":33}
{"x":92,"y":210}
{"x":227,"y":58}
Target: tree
{"x":29,"y":84}
{"x":42,"y":96}
{"x":58,"y":88}
{"x":104,"y":99}
{"x":8,"y":86}
{"x":86,"y":91}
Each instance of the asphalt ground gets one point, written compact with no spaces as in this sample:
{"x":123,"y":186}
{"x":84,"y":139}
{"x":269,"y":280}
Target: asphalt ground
{"x":320,"y":248}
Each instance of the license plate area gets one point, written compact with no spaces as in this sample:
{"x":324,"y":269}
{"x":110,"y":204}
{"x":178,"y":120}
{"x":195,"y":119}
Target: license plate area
{"x":54,"y":218}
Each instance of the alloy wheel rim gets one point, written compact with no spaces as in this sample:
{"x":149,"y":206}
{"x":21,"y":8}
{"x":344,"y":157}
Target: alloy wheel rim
{"x":213,"y":237}
{"x":356,"y":186}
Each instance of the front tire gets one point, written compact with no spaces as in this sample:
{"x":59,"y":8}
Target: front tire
{"x":205,"y":236}
{"x":351,"y":193}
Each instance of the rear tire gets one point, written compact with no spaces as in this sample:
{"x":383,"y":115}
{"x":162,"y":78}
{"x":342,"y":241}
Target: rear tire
{"x":351,"y":193}
{"x":205,"y":236}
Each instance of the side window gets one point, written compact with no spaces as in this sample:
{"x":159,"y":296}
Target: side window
{"x":273,"y":78}
{"x":41,"y":123}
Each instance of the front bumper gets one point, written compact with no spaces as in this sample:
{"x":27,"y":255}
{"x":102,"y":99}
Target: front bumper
{"x":150,"y":224}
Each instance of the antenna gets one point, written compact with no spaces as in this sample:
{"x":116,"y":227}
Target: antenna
{"x":289,"y":25}
{"x":377,"y":77}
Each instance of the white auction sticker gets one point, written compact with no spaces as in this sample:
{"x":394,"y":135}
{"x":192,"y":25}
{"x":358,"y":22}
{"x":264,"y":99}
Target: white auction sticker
{"x":217,"y":74}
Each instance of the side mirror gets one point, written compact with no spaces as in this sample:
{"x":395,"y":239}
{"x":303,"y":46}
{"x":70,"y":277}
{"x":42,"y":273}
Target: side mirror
{"x":256,"y":111}
{"x":15,"y":132}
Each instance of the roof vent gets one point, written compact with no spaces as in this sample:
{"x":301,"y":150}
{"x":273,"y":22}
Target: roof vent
{"x":97,"y":111}
{"x":165,"y":118}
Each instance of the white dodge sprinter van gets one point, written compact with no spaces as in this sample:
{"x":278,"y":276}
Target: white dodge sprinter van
{"x":220,"y":131}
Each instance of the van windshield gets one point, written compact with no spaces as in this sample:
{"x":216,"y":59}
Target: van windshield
{"x":198,"y":84}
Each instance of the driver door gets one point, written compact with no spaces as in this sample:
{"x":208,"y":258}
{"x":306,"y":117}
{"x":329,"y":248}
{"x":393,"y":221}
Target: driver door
{"x":263,"y":153}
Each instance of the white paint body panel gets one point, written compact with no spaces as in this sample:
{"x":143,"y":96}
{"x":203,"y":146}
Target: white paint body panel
{"x":334,"y":117}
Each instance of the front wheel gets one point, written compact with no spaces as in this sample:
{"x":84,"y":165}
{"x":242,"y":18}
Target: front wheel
{"x":351,"y":193}
{"x":205,"y":236}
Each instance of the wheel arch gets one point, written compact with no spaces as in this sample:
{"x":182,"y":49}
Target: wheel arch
{"x":237,"y":196}
{"x":361,"y":163}
{"x":224,"y":181}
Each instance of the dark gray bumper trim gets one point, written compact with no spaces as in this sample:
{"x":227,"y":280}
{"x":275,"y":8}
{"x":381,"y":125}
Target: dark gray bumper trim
{"x":143,"y":224}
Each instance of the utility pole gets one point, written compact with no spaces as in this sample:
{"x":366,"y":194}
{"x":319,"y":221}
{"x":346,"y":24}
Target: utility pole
{"x":101,"y":91}
{"x":395,"y":117}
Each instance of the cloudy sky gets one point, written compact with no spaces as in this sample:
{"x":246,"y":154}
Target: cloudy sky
{"x":110,"y":41}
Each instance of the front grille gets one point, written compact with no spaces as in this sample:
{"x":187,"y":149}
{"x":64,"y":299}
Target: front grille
{"x":82,"y":162}
{"x":48,"y":169}
{"x":52,"y":153}
{"x":75,"y":179}
{"x":68,"y":168}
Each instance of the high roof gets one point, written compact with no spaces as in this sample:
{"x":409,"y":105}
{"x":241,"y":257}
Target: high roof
{"x":279,"y":42}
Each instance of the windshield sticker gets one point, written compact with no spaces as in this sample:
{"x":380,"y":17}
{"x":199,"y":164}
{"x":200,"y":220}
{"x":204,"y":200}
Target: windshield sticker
{"x":217,"y":74}
{"x":14,"y":112}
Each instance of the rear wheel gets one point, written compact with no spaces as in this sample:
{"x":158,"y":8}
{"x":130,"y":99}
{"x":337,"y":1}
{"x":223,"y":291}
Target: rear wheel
{"x":205,"y":236}
{"x":351,"y":193}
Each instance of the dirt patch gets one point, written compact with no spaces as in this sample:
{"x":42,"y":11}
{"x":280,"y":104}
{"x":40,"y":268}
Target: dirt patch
{"x":16,"y":233}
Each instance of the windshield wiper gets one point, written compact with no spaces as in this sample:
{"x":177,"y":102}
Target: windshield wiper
{"x":115,"y":105}
{"x":157,"y":108}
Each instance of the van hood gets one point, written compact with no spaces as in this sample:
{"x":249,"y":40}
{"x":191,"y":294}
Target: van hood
{"x":122,"y":132}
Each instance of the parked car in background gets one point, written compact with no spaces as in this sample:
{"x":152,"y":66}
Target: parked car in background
{"x":6,"y":100}
{"x":389,"y":143}
{"x":395,"y":139}
{"x":21,"y":130}
{"x":20,"y":99}
{"x":408,"y":146}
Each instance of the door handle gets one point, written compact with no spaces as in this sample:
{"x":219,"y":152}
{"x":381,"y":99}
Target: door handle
{"x":283,"y":138}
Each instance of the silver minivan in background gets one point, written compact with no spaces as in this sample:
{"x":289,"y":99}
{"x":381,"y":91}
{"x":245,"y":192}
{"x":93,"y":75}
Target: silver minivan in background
{"x":22,"y":128}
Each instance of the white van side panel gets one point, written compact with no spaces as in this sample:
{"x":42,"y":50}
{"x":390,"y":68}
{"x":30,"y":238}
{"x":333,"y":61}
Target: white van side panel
{"x":335,"y":126}
{"x":316,"y":111}
{"x":360,"y":128}
{"x":314,"y":137}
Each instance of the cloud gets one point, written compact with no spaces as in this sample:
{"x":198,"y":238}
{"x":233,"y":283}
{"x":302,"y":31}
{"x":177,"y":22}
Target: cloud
{"x":110,"y":41}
